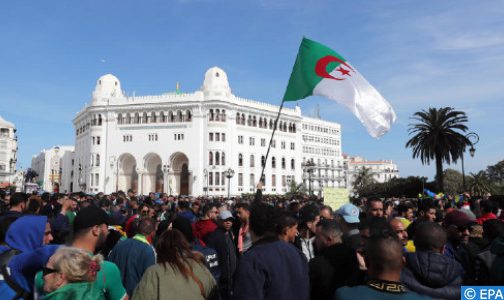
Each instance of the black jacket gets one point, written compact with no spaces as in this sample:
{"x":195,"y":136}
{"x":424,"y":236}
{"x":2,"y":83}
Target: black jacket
{"x":223,"y":244}
{"x":432,"y":274}
{"x":334,"y":267}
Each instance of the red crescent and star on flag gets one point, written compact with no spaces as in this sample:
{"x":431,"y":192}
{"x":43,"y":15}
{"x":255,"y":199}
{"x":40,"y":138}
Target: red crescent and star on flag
{"x":321,"y":67}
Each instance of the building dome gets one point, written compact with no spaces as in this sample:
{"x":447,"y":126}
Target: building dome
{"x":108,"y":86}
{"x":216,"y":83}
{"x":5,"y":124}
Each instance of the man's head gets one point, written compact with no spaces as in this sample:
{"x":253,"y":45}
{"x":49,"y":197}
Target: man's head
{"x":210,"y":212}
{"x":326,"y":212}
{"x":405,"y":211}
{"x":384,"y":257}
{"x":91,"y":226}
{"x":398,"y":227}
{"x":374,"y":207}
{"x":18,"y":202}
{"x":430,"y":236}
{"x":488,"y":206}
{"x":427,"y":210}
{"x":243,"y":212}
{"x":48,"y":234}
{"x":226,"y":220}
{"x":262,"y":221}
{"x":146,"y":226}
{"x":328,"y":233}
{"x":457,"y":224}
{"x":309,"y":216}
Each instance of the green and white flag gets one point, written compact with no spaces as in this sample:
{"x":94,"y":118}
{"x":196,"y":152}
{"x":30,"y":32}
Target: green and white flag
{"x":323,"y":72}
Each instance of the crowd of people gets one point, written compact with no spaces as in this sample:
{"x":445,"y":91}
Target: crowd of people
{"x":157,"y":246}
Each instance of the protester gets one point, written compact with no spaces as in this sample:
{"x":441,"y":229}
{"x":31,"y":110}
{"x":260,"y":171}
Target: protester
{"x":398,"y":227}
{"x":287,"y":227}
{"x":243,"y":239}
{"x":374,"y":208}
{"x":384,"y":264}
{"x":457,"y":225}
{"x":206,"y":224}
{"x":133,"y":256}
{"x":270,"y":269}
{"x":309,"y":216}
{"x":349,"y":222}
{"x":70,"y":273}
{"x":179,"y":274}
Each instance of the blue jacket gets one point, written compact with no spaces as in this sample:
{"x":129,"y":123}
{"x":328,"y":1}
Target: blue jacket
{"x":272,"y":270}
{"x":26,"y":235}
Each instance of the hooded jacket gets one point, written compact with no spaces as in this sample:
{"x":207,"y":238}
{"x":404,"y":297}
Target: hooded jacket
{"x":26,"y":235}
{"x":203,"y":227}
{"x":432,"y":274}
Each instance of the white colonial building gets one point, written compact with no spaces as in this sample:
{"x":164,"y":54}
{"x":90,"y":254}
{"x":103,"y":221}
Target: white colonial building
{"x":183,"y":143}
{"x":382,"y":170}
{"x":55,"y":168}
{"x":8,"y":151}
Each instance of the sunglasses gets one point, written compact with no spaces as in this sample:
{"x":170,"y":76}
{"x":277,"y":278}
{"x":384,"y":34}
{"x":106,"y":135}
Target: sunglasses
{"x":47,"y":271}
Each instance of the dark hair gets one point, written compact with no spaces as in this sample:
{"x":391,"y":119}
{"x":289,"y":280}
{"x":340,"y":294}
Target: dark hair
{"x":403,"y":208}
{"x":146,"y":226}
{"x":284,"y":220}
{"x":426,"y":204}
{"x":173,"y":249}
{"x":330,"y":227}
{"x":18,"y":198}
{"x":243,"y":205}
{"x":383,"y":254}
{"x":373,"y":199}
{"x":262,"y":219}
{"x":377,"y":227}
{"x":184,"y":226}
{"x":488,"y":206}
{"x":308,"y":213}
{"x":493,"y":228}
{"x":429,"y":236}
{"x":33,"y":206}
{"x":208,"y":207}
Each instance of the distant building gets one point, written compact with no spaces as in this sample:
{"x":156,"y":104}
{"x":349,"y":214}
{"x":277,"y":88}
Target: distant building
{"x":54,"y":167}
{"x":382,"y":170}
{"x":8,"y":152}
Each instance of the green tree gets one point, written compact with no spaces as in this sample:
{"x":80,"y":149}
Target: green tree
{"x":364,"y":178}
{"x":438,"y":135}
{"x":496,"y":172}
{"x":452,"y":181}
{"x":296,"y":191}
{"x":480,"y":184}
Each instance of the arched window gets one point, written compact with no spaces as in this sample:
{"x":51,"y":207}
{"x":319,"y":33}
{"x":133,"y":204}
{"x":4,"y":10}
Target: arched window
{"x":210,"y":178}
{"x":93,"y":120}
{"x":254,"y":121}
{"x":217,"y":176}
{"x":240,"y":160}
{"x":273,"y":162}
{"x":223,"y":159}
{"x":210,"y":158}
{"x":243,"y":119}
{"x":292,"y":164}
{"x":283,"y":162}
{"x":271,"y":124}
{"x":188,"y":116}
{"x":99,"y":120}
{"x":145,"y":118}
{"x":260,"y":122}
{"x":137,"y":118}
{"x":217,"y":114}
{"x":249,"y":120}
{"x":162,"y":117}
{"x":171,"y":116}
{"x":179,"y":116}
{"x":217,"y":158}
{"x":128,"y":118}
{"x":153,"y":118}
{"x":120,"y":118}
{"x":211,"y":115}
{"x":223,"y":115}
{"x":238,"y":118}
{"x":252,"y":161}
{"x":263,"y":161}
{"x":294,"y":128}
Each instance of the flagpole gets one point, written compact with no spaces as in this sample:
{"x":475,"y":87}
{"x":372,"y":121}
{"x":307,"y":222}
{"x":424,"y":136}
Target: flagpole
{"x":261,"y":179}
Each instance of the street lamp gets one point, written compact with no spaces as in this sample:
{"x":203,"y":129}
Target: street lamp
{"x":229,"y":173}
{"x":473,"y":139}
{"x":308,"y":167}
{"x":205,"y":189}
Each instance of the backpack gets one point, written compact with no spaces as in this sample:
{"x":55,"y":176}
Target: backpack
{"x":5,"y":271}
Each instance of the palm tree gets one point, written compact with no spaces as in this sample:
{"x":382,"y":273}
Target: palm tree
{"x":480,"y":183}
{"x":364,"y":178}
{"x":438,"y":136}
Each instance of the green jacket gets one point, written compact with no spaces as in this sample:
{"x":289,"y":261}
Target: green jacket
{"x":76,"y":291}
{"x":162,"y":282}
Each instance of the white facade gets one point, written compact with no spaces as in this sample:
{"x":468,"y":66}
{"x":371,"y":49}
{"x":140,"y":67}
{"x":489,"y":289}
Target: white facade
{"x":54,"y":167}
{"x":8,"y":151}
{"x":182,"y":143}
{"x":382,"y":170}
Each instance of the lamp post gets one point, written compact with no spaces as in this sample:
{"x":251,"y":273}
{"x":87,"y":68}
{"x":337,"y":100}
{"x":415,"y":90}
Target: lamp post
{"x":308,"y":166}
{"x":229,"y":173}
{"x":166,"y":169}
{"x":473,"y":139}
{"x":205,"y":189}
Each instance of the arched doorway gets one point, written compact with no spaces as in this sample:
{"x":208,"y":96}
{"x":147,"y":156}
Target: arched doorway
{"x":152,"y":180}
{"x":127,"y":177}
{"x":181,"y":174}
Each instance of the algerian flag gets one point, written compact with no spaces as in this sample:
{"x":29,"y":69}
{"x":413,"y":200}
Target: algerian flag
{"x":321,"y":71}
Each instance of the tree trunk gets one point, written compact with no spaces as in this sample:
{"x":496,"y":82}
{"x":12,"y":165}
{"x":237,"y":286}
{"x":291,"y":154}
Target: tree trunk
{"x":439,"y":173}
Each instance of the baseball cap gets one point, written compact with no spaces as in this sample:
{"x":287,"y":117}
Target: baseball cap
{"x":225,"y":214}
{"x":89,"y":217}
{"x":349,"y":212}
{"x":457,"y":218}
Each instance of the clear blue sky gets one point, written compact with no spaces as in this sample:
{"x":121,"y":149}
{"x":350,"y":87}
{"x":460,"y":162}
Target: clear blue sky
{"x":416,"y":53}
